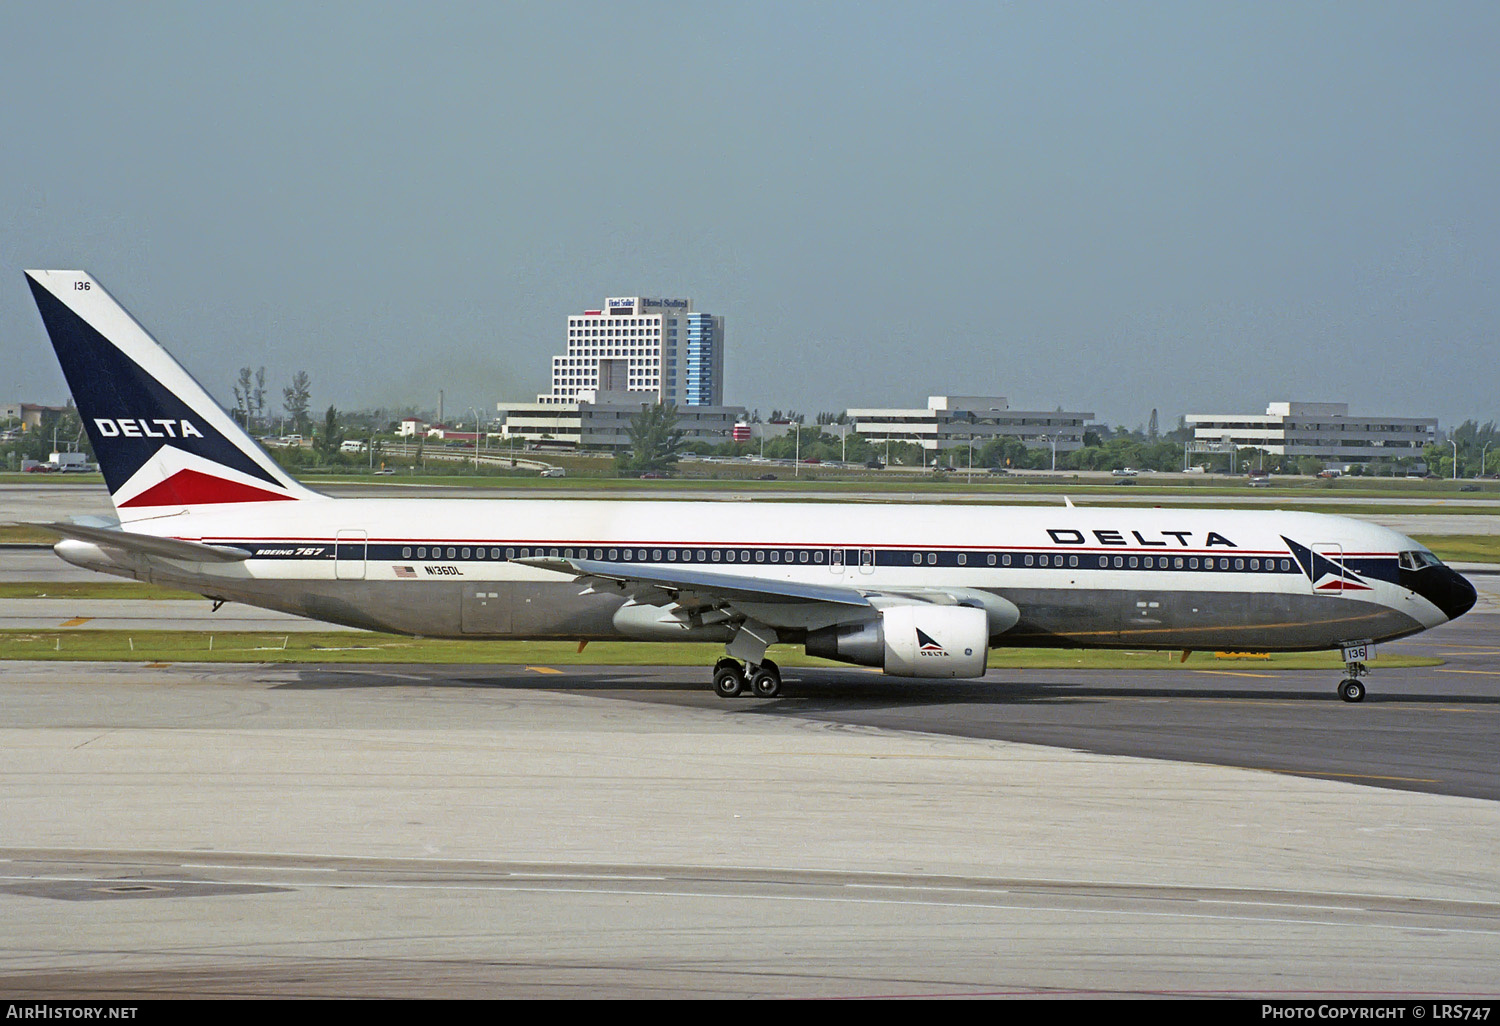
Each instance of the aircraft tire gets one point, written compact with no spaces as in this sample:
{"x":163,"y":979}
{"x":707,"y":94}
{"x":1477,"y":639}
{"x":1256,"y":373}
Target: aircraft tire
{"x":729,"y":682}
{"x":766,"y":683}
{"x":1352,"y":690}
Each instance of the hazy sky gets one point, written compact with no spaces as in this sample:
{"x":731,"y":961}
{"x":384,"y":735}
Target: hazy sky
{"x":1199,"y":207}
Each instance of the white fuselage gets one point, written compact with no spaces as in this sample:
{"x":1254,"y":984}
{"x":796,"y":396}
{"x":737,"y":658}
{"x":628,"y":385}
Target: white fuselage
{"x":1131,"y":577}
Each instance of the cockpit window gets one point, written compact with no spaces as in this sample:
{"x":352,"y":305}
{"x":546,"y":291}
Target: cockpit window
{"x":1418,"y":559}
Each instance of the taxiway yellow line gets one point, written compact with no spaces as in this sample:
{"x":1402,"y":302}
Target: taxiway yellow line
{"x":1347,"y":776}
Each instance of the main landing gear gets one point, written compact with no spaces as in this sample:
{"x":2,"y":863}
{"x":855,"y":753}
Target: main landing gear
{"x":732,"y":678}
{"x":1350,"y":689}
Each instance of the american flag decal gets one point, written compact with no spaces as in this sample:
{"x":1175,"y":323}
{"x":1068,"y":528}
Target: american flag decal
{"x":404,"y":571}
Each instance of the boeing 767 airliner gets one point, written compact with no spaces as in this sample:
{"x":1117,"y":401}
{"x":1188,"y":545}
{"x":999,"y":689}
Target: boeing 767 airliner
{"x":918,"y":591}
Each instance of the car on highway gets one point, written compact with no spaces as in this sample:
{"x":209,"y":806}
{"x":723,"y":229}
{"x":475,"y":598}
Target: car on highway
{"x":554,"y":472}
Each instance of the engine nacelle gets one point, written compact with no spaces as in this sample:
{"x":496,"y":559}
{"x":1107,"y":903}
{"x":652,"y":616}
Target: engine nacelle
{"x":911,"y":641}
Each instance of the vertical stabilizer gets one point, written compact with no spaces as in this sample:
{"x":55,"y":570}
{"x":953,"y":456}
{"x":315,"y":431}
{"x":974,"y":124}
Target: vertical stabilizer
{"x":163,"y":443}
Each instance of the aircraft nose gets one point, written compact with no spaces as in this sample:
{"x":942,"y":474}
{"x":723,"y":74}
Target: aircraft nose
{"x":1447,"y":590}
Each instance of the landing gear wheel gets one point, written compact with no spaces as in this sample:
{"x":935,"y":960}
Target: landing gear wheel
{"x":1352,"y":690}
{"x":729,"y":680}
{"x":766,"y":680}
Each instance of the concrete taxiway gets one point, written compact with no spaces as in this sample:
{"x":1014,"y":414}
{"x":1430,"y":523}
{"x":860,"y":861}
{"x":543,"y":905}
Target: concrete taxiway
{"x":498,"y":831}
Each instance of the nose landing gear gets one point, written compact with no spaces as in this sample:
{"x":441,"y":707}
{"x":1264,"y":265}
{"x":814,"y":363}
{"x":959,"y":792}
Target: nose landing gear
{"x":1350,"y":689}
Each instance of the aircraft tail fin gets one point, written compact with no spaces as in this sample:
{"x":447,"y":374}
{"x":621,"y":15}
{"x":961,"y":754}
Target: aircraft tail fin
{"x":163,"y":443}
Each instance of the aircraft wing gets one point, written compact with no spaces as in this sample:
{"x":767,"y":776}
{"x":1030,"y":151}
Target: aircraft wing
{"x":697,"y":587}
{"x":773,"y":602}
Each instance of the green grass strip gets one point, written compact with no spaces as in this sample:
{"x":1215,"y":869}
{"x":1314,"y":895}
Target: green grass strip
{"x":100,"y":589}
{"x":1462,"y":548}
{"x":26,"y":534}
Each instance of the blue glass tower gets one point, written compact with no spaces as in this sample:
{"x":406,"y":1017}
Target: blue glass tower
{"x":700,"y":351}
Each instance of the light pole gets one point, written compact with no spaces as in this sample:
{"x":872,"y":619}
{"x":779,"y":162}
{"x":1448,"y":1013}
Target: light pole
{"x":476,"y":437}
{"x":1049,"y":438}
{"x":1454,"y":443}
{"x":1482,"y":454}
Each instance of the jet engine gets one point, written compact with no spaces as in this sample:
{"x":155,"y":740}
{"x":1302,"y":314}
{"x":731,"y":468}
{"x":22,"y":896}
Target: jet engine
{"x":911,"y":641}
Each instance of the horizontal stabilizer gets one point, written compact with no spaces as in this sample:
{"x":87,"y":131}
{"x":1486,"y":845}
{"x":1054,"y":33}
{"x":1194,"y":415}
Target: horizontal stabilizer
{"x":150,"y":545}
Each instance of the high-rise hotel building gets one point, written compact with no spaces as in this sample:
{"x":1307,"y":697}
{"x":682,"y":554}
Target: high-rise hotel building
{"x":660,"y":347}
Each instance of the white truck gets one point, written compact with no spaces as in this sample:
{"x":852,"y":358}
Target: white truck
{"x":69,"y":462}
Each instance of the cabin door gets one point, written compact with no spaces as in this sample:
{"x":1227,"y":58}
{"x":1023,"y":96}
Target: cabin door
{"x":1328,"y":576}
{"x":349,"y":549}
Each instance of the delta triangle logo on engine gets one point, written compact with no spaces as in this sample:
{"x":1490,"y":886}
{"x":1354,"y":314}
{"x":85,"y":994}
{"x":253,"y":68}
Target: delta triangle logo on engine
{"x":927,"y":647}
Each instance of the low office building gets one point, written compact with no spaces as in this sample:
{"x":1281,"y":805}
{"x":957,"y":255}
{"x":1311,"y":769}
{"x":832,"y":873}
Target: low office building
{"x":956,"y":421}
{"x":1324,"y":431}
{"x":29,"y":414}
{"x":601,"y":420}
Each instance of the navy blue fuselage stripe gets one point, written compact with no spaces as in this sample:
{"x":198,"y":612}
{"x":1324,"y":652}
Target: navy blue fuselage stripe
{"x":1383,"y":568}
